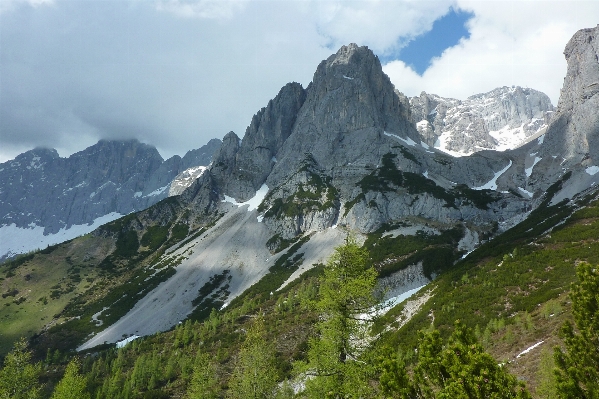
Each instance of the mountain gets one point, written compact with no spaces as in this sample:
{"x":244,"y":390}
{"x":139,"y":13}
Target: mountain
{"x":493,"y":236}
{"x":46,"y":199}
{"x":501,"y":119}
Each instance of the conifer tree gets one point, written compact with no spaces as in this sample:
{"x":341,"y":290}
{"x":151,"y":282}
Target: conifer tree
{"x":72,"y":385}
{"x":204,"y":384}
{"x":254,"y":375}
{"x":19,"y":379}
{"x":459,"y":368}
{"x":578,"y":367}
{"x":345,"y":292}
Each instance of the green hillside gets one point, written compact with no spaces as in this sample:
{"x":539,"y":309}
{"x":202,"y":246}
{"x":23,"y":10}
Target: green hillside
{"x":512,"y":292}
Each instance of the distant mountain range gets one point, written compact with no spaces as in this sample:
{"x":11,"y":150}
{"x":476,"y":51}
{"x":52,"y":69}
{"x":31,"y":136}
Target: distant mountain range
{"x":46,"y":199}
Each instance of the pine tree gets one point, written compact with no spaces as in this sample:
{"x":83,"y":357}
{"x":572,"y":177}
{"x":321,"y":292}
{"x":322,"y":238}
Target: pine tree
{"x":459,"y":368}
{"x":346,"y":290}
{"x":19,"y":379}
{"x":204,"y":384}
{"x":578,"y":367}
{"x":72,"y":385}
{"x":254,"y":375}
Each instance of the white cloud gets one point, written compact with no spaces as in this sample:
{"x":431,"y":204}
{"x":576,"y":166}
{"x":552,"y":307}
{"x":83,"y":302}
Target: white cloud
{"x":208,"y":9}
{"x":382,"y":25}
{"x":511,"y":43}
{"x":8,"y":5}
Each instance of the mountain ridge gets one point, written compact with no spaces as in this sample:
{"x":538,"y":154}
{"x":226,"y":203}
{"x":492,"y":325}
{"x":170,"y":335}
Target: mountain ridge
{"x":43,"y":195}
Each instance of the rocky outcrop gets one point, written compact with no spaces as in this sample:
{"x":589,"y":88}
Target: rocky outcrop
{"x":498,"y":120}
{"x":574,"y":133}
{"x":241,"y":167}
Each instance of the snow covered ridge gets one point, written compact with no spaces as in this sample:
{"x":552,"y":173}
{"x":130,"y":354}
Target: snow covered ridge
{"x":185,"y":179}
{"x":16,"y":240}
{"x":502,"y":119}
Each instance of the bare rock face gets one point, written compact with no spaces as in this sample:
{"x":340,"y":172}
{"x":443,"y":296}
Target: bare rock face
{"x":349,"y":97}
{"x":241,"y":167}
{"x":498,"y":120}
{"x":574,"y":133}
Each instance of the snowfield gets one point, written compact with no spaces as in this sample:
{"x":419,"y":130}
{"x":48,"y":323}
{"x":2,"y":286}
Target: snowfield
{"x":18,"y":240}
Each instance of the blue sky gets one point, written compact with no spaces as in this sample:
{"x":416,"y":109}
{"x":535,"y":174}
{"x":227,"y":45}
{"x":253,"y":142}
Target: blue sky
{"x":176,"y":73}
{"x":446,"y":32}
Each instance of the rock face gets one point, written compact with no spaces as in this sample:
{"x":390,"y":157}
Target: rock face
{"x":574,"y":133}
{"x":239,"y":167}
{"x":571,"y":141}
{"x":40,"y":189}
{"x":498,"y":120}
{"x":346,"y":151}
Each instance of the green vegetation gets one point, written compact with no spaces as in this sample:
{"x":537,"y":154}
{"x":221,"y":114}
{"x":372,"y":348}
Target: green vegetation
{"x":317,"y":194}
{"x":19,"y":377}
{"x":389,"y":254}
{"x":72,"y":385}
{"x":387,"y":178}
{"x":333,"y":358}
{"x":217,"y":287}
{"x":458,"y":368}
{"x":578,"y":366}
{"x":254,"y":374}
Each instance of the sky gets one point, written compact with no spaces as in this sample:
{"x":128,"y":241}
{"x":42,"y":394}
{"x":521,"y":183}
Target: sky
{"x":176,"y":73}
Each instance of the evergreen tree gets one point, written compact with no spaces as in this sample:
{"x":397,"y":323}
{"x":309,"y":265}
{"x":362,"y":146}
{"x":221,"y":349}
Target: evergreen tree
{"x":19,"y":379}
{"x":547,"y":388}
{"x":346,"y":290}
{"x":254,"y":375}
{"x":204,"y":384}
{"x":578,"y":367}
{"x":72,"y":385}
{"x":459,"y":369}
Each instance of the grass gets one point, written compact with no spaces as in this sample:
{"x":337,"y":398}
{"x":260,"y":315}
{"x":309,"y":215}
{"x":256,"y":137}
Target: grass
{"x":61,"y":271}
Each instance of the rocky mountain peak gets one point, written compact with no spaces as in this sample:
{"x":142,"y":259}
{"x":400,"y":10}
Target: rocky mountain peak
{"x":574,"y":131}
{"x":500,"y":119}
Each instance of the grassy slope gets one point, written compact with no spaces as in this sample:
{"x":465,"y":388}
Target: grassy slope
{"x":515,"y":287}
{"x":512,"y":306}
{"x":45,"y":284}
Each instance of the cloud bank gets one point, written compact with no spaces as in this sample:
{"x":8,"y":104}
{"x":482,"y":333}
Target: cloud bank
{"x":176,"y":73}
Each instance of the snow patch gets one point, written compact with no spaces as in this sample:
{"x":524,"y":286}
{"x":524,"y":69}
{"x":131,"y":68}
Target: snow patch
{"x":158,"y":191}
{"x":17,"y":240}
{"x":592,"y":170}
{"x":392,"y":302}
{"x":528,"y":193}
{"x":528,"y":171}
{"x":492,"y":184}
{"x":541,"y":139}
{"x":137,"y":194}
{"x":525,"y":351}
{"x":252,"y":202}
{"x":408,"y":141}
{"x":508,"y":138}
{"x":125,"y":341}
